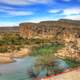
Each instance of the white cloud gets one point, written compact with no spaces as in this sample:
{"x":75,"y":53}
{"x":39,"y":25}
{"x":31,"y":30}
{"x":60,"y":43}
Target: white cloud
{"x":23,"y":2}
{"x":5,"y":7}
{"x":54,"y":10}
{"x":4,"y":24}
{"x":74,"y":17}
{"x":17,"y":13}
{"x":13,"y":12}
{"x":39,"y":19}
{"x":66,"y":11}
{"x":20,"y":13}
{"x":14,"y":2}
{"x":40,"y":1}
{"x":71,"y":11}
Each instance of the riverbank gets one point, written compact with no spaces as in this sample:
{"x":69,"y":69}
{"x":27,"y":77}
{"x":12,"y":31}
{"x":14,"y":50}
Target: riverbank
{"x":68,"y":75}
{"x":9,"y":57}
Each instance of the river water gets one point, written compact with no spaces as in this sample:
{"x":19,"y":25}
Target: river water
{"x":17,"y":70}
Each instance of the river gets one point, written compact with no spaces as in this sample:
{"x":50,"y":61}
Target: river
{"x":17,"y":70}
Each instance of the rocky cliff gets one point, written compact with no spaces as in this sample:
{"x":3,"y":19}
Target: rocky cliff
{"x":65,"y":31}
{"x":62,"y":29}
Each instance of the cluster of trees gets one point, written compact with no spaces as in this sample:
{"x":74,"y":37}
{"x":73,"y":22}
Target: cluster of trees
{"x":16,"y":39}
{"x":10,"y":39}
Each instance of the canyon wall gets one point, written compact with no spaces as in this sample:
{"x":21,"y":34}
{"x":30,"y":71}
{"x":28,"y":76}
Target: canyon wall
{"x":65,"y":31}
{"x":62,"y":30}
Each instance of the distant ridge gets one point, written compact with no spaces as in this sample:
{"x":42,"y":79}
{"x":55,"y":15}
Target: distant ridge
{"x":62,"y":22}
{"x":70,"y":21}
{"x":9,"y":29}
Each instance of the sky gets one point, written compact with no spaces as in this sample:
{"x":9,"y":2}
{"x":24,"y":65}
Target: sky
{"x":14,"y":12}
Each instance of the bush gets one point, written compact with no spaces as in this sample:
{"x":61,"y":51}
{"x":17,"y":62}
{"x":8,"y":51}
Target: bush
{"x":72,"y":62}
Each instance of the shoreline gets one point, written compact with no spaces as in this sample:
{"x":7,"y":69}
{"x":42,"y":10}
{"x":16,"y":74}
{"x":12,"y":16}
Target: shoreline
{"x":6,"y":58}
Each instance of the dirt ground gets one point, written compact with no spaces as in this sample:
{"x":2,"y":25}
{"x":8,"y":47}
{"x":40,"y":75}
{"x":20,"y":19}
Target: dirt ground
{"x":9,"y":57}
{"x":70,"y":75}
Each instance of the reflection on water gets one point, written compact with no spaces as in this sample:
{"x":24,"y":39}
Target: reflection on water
{"x":60,"y":64}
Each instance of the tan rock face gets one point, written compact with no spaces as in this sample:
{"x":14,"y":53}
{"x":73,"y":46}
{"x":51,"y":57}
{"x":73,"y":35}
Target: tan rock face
{"x":22,"y":53}
{"x":58,"y":30}
{"x":9,"y":57}
{"x":62,"y":31}
{"x":71,"y":50}
{"x":40,"y":30}
{"x":6,"y":60}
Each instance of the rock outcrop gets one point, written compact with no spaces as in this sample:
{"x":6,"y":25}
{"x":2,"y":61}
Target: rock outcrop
{"x":71,"y":50}
{"x":51,"y":29}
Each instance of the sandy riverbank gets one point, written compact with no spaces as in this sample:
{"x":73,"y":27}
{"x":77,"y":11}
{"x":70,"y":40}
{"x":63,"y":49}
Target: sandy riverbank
{"x":9,"y":57}
{"x":69,"y":75}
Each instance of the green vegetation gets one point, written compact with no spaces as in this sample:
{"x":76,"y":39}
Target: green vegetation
{"x":9,"y":48}
{"x":16,"y":39}
{"x":47,"y":49}
{"x":45,"y":54}
{"x":13,"y":41}
{"x":46,"y":59}
{"x":72,"y":62}
{"x":47,"y":62}
{"x":10,"y":42}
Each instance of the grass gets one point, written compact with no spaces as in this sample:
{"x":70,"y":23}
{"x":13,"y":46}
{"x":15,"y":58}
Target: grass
{"x":47,"y":49}
{"x":46,"y":57}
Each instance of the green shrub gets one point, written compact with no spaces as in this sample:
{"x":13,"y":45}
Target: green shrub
{"x":72,"y":62}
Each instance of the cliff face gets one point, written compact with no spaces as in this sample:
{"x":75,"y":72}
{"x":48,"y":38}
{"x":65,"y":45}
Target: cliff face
{"x":28,"y":30}
{"x":55,"y":29}
{"x":35,"y":30}
{"x":65,"y":31}
{"x":71,"y":50}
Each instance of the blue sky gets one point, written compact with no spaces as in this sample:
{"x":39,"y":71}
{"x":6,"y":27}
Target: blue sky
{"x":13,"y":12}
